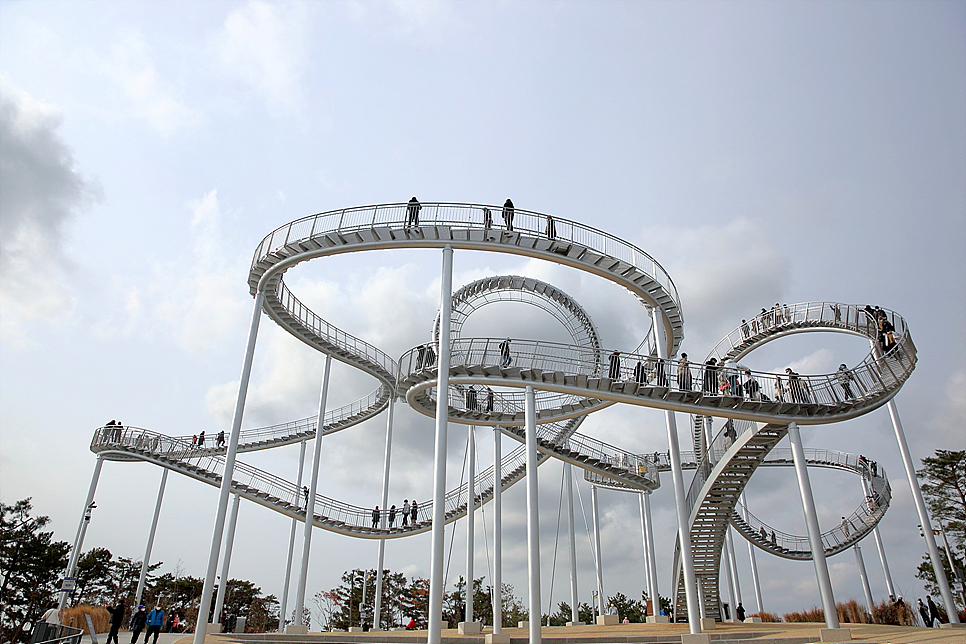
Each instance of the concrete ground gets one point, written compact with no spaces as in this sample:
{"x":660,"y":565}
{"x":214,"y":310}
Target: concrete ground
{"x":655,"y":633}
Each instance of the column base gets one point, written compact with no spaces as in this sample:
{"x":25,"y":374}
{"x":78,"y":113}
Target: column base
{"x":470,"y":628}
{"x":497,"y":638}
{"x":658,"y":619}
{"x":575,"y":624}
{"x":296,"y":629}
{"x":213,"y":628}
{"x":836,"y":635}
{"x":707,"y":624}
{"x":608,"y":620}
{"x":752,"y":620}
{"x":952,"y":626}
{"x":525,"y":624}
{"x":355,"y":629}
{"x":696,"y":638}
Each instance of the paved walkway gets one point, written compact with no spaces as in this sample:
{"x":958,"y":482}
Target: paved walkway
{"x":654,"y":633}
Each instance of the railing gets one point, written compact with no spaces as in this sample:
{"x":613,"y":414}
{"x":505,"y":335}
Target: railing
{"x":334,"y":335}
{"x":871,"y":379}
{"x":716,"y":451}
{"x":462,"y":215}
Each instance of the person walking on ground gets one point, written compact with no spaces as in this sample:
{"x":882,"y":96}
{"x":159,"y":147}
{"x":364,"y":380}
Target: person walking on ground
{"x":155,"y":621}
{"x":935,"y":620}
{"x":614,"y":373}
{"x":924,"y":613}
{"x":413,"y":511}
{"x":405,"y":513}
{"x":221,"y":438}
{"x":412,"y":212}
{"x":505,"y":353}
{"x":375,"y":518}
{"x":117,"y":618}
{"x":392,"y":516}
{"x":740,"y":612}
{"x":138,"y":619}
{"x":508,"y":212}
{"x":684,"y":373}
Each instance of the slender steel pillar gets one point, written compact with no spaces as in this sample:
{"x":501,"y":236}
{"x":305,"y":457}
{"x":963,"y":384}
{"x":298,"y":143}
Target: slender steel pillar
{"x":436,"y":580}
{"x":754,"y":562}
{"x":814,"y":531}
{"x":470,"y":518}
{"x":150,"y":546}
{"x":291,"y":547}
{"x":890,"y":587}
{"x":937,"y":562}
{"x":647,"y":568}
{"x":533,"y":518}
{"x":313,"y":488}
{"x":81,"y":529}
{"x":384,"y":522}
{"x":653,"y":590}
{"x":229,"y":470}
{"x":729,"y":573}
{"x":864,"y":576}
{"x":569,"y":476}
{"x":734,"y":564}
{"x":497,"y":531}
{"x":595,"y":511}
{"x":226,"y":560}
{"x":680,"y":496}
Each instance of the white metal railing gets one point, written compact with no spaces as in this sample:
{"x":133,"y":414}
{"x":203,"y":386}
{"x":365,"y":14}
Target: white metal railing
{"x":461,"y":215}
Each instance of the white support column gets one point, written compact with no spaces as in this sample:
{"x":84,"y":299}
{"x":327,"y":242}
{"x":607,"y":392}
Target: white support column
{"x":310,"y":505}
{"x":568,"y":474}
{"x":470,"y":519}
{"x":814,"y":531}
{"x":937,"y":562}
{"x":864,"y":576}
{"x":680,"y":496}
{"x":890,"y":587}
{"x":754,"y":562}
{"x":437,"y":565}
{"x":533,"y":518}
{"x":734,"y":564}
{"x":595,"y":513}
{"x":147,"y":550}
{"x":384,"y":522}
{"x":81,"y":529}
{"x":729,"y":573}
{"x":647,"y":567}
{"x":226,"y":561}
{"x":653,"y":590}
{"x":497,"y":531}
{"x":291,"y":547}
{"x":228,"y":473}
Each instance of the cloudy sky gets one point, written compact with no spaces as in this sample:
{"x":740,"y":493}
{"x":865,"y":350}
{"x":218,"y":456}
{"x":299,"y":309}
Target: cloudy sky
{"x":761,"y":152}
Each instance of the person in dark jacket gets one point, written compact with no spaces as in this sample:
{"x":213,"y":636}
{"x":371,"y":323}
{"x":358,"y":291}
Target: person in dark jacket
{"x":117,"y":618}
{"x":138,"y":620}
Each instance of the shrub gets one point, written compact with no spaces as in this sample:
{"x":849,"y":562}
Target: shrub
{"x":851,"y":612}
{"x":814,"y":614}
{"x":886,"y":612}
{"x":99,"y":617}
{"x":767,"y":617}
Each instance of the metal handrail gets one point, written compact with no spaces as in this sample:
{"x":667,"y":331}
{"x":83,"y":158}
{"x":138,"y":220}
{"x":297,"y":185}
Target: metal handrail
{"x":464,"y":215}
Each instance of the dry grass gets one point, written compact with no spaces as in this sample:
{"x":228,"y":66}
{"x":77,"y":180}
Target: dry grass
{"x":99,"y":617}
{"x":767,"y":617}
{"x":814,"y":614}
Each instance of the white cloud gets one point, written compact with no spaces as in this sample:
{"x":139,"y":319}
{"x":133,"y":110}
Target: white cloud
{"x":265,"y":46}
{"x":41,"y":191}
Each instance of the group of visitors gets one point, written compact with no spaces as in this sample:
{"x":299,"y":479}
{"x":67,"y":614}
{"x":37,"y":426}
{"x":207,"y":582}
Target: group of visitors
{"x":885,"y":330}
{"x":425,"y":356}
{"x":413,"y":207}
{"x":481,"y":400}
{"x":198,"y":440}
{"x":113,"y":430}
{"x":409,"y":513}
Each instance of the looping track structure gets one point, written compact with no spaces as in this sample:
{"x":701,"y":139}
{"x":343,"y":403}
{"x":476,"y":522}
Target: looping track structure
{"x":571,"y":380}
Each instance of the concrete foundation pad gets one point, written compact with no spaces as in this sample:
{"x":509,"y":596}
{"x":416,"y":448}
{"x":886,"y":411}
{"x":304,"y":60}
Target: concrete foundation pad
{"x":575,"y":623}
{"x":658,"y":619}
{"x":497,"y":638}
{"x":355,"y":629}
{"x":836,"y":635}
{"x":699,"y":638}
{"x":470,"y":628}
{"x":752,"y":620}
{"x":296,"y":629}
{"x":523,"y":624}
{"x":707,"y":624}
{"x":952,"y":626}
{"x":608,"y":620}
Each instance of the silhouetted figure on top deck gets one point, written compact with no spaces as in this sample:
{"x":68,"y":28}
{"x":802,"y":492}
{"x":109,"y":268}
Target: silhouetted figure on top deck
{"x":508,"y":214}
{"x":487,"y":219}
{"x":614,"y":373}
{"x":412,"y":212}
{"x":221,"y":438}
{"x":710,"y":375}
{"x":551,"y":228}
{"x":471,"y":398}
{"x":684,"y":373}
{"x":489,"y":400}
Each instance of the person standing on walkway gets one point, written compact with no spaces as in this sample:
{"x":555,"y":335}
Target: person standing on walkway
{"x":745,"y":329}
{"x":740,"y":612}
{"x":375,"y":518}
{"x":505,"y":353}
{"x":155,"y":621}
{"x":392,"y":515}
{"x":405,"y":513}
{"x":412,"y":212}
{"x":414,"y":510}
{"x":614,"y":372}
{"x":305,"y":493}
{"x":710,"y":375}
{"x":935,"y":620}
{"x":471,"y":398}
{"x":487,"y":219}
{"x":551,"y":228}
{"x":684,"y":373}
{"x":138,"y":619}
{"x":489,"y":400}
{"x":201,"y":439}
{"x":508,"y":212}
{"x":117,"y":618}
{"x":845,"y":380}
{"x":221,"y":438}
